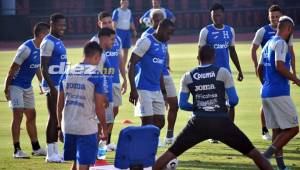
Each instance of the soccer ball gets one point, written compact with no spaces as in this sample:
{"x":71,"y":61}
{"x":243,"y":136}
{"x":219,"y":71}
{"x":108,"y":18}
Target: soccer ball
{"x":147,"y":22}
{"x":172,"y":165}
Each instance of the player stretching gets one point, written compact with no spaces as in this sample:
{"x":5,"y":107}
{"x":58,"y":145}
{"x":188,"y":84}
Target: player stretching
{"x":18,"y":90}
{"x":53,"y":62}
{"x":274,"y":73}
{"x":208,"y":85}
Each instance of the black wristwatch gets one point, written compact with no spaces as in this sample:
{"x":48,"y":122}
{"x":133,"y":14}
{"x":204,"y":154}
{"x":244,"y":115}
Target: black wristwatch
{"x":58,"y":128}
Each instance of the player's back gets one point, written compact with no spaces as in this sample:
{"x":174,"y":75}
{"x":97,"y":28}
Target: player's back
{"x":274,"y":83}
{"x":220,"y":40}
{"x":79,"y":85}
{"x":207,"y":90}
{"x":28,"y":68}
{"x":54,"y":48}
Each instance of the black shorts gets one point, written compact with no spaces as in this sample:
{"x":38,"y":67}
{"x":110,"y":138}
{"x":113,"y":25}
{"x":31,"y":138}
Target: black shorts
{"x":202,"y":128}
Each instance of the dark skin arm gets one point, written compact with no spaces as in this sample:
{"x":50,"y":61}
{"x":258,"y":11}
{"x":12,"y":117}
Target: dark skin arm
{"x":12,"y":71}
{"x":133,"y":97}
{"x":46,"y":75}
{"x":236,"y":62}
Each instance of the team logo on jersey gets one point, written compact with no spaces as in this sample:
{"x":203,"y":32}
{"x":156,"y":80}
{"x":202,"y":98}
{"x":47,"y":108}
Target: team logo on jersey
{"x":198,"y":76}
{"x":213,"y":33}
{"x":157,"y":60}
{"x":225,"y":35}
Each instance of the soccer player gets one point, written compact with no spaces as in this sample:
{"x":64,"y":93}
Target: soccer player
{"x":274,"y":73}
{"x":156,"y":16}
{"x":112,"y":65}
{"x":18,"y":90}
{"x":222,"y":38}
{"x":82,"y":98}
{"x":148,"y":89}
{"x":262,"y":35}
{"x":145,"y":19}
{"x":123,"y":23}
{"x":209,"y":84}
{"x":53,"y":64}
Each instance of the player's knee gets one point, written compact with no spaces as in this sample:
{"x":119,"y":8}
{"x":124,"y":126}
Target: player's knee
{"x":295,"y":130}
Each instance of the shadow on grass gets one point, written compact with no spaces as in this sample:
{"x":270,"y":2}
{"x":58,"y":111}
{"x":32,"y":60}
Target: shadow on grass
{"x":194,"y":164}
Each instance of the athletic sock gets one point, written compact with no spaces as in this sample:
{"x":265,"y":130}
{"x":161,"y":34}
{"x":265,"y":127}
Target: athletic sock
{"x":170,"y":133}
{"x":280,"y":163}
{"x":264,"y":130}
{"x":35,"y":145}
{"x":270,"y":151}
{"x":17,"y":147}
{"x":108,"y":138}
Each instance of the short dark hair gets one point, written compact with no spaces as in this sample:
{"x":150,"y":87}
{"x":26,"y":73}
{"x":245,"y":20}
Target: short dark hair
{"x":40,"y":28}
{"x":91,"y":49}
{"x":217,"y":6}
{"x":106,"y":32}
{"x":103,"y":14}
{"x":166,"y":23}
{"x":56,"y":16}
{"x":205,"y":53}
{"x":274,"y":8}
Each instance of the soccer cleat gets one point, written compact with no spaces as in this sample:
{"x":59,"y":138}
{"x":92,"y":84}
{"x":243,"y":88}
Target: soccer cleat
{"x":161,"y":144}
{"x":20,"y":155}
{"x":39,"y":152}
{"x":213,"y":141}
{"x":169,"y":141}
{"x":54,"y":158}
{"x":111,"y":147}
{"x":266,"y":136}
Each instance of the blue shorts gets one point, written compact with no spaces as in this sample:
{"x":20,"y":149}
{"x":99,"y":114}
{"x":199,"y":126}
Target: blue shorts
{"x":125,"y":36}
{"x":82,"y":148}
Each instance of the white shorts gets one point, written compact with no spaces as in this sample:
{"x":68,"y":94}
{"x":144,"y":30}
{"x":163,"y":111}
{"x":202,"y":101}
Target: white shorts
{"x":280,"y":112}
{"x":170,"y":86}
{"x":109,"y":114}
{"x":149,"y":103}
{"x":117,"y":96}
{"x":21,"y":98}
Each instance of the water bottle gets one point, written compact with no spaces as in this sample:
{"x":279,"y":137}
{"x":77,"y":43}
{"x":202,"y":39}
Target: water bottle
{"x":102,"y":148}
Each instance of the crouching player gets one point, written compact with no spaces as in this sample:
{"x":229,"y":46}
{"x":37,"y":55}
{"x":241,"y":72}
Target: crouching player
{"x":81,"y":99}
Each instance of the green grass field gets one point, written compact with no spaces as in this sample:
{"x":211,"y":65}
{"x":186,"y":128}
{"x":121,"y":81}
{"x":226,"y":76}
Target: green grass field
{"x":202,"y":156}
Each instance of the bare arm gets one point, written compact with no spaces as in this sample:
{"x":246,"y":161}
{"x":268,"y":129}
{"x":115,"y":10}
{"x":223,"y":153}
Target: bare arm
{"x":60,"y":107}
{"x":114,"y":25}
{"x":12,"y":71}
{"x":39,"y":74}
{"x":46,"y":75}
{"x":133,"y":29}
{"x":254,"y":48}
{"x":280,"y":67}
{"x":131,"y":74}
{"x":123,"y":74}
{"x":293,"y":62}
{"x":236,"y":62}
{"x":100,"y":112}
{"x":260,"y":72}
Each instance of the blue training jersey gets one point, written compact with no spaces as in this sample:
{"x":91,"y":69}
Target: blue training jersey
{"x":269,"y":33}
{"x":28,"y":57}
{"x":220,"y":40}
{"x":153,"y":55}
{"x":275,"y":84}
{"x":54,"y":48}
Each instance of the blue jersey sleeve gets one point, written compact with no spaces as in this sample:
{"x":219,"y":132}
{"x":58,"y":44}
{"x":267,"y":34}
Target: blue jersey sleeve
{"x":170,"y":14}
{"x":184,"y":102}
{"x":146,"y":15}
{"x":99,"y":83}
{"x":115,"y":15}
{"x":232,"y":96}
{"x":62,"y":78}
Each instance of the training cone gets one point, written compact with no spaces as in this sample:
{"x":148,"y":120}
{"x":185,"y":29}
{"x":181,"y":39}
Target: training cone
{"x":127,"y":121}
